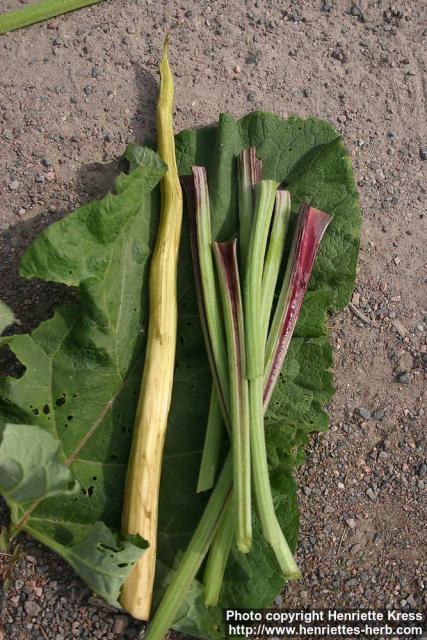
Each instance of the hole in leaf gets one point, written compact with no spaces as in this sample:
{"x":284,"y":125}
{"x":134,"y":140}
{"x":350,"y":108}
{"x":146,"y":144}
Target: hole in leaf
{"x":94,"y":478}
{"x":36,"y":412}
{"x":69,"y":418}
{"x":90,"y":491}
{"x":60,"y":401}
{"x":122,"y":564}
{"x":46,"y":409}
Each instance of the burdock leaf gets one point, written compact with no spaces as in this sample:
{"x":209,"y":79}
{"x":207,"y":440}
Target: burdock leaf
{"x":70,"y":414}
{"x":83,"y":366}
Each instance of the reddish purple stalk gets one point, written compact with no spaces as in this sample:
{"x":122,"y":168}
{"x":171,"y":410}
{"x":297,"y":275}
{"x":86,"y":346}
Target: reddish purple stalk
{"x":192,"y":189}
{"x":311,"y":226}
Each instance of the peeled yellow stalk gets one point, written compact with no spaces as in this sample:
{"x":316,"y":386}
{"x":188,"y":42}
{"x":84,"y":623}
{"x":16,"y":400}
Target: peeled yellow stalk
{"x":143,"y":477}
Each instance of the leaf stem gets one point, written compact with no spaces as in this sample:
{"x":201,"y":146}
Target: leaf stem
{"x":218,"y":555}
{"x":229,"y":284}
{"x":38,"y":12}
{"x":261,"y":481}
{"x":192,"y":558}
{"x":274,"y":256}
{"x":211,"y":446}
{"x":248,"y":175}
{"x":265,"y":191}
{"x":310,"y":228}
{"x":140,"y":509}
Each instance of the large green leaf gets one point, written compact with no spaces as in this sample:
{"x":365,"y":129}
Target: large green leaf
{"x":75,"y":400}
{"x":83,"y":365}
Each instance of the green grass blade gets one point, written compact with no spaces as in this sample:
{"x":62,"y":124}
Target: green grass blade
{"x":38,"y":12}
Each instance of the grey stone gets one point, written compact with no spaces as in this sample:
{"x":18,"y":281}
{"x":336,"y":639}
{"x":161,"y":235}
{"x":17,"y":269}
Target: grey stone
{"x":403,"y":377}
{"x":32,"y":608}
{"x":370,"y":493}
{"x":364,"y":413}
{"x":411,"y":601}
{"x":378,"y":414}
{"x":356,"y":11}
{"x":422,"y":470}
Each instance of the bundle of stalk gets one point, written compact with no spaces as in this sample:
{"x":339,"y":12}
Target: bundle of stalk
{"x":248,"y":317}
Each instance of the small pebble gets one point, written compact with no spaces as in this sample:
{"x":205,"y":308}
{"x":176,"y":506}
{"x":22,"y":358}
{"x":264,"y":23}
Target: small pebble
{"x":356,"y":11}
{"x":121,"y":622}
{"x":370,"y":493}
{"x":378,"y":414}
{"x":326,"y":6}
{"x":411,"y":601}
{"x":32,"y":608}
{"x":365,"y":413}
{"x":14,"y":185}
{"x":423,"y":153}
{"x":403,"y":377}
{"x":40,"y":179}
{"x":237,"y":69}
{"x":422,"y":470}
{"x":351,"y":523}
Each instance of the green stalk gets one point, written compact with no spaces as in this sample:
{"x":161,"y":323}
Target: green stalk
{"x":38,"y":12}
{"x":255,"y":346}
{"x":229,"y":285}
{"x":274,"y":257}
{"x":221,"y":546}
{"x":261,"y":482}
{"x":218,"y":556}
{"x":211,"y":446}
{"x":248,"y":175}
{"x":192,"y":559}
{"x":266,"y":191}
{"x":208,"y":282}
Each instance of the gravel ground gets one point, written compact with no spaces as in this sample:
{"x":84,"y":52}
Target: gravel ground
{"x":76,"y":89}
